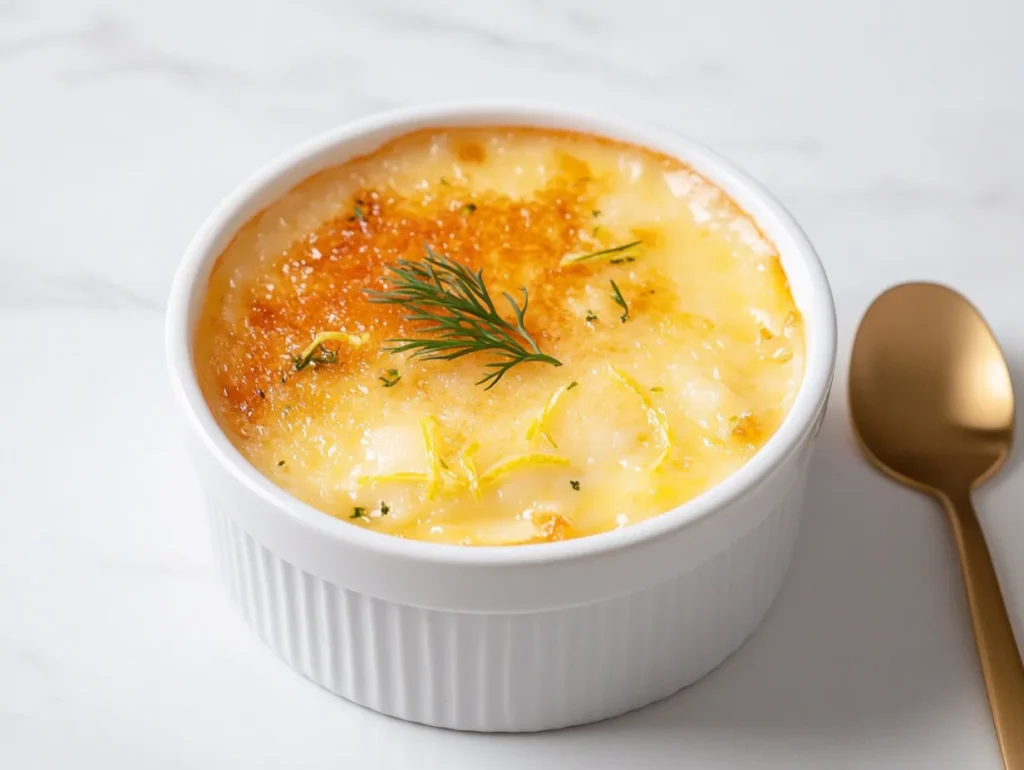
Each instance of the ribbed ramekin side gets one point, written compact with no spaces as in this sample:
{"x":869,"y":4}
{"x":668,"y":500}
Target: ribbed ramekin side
{"x":510,"y":672}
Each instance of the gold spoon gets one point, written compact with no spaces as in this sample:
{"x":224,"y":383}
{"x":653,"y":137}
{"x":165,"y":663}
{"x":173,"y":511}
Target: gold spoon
{"x":932,"y":406}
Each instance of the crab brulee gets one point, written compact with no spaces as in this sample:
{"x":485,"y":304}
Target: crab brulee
{"x":499,"y":336}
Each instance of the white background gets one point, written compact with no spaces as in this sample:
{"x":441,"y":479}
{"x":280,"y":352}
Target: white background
{"x":894,"y":130}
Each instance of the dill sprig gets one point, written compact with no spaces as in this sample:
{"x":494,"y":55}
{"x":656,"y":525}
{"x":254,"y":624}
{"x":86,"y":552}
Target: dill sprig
{"x":460,"y":315}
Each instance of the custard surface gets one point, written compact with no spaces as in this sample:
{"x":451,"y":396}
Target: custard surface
{"x":650,"y":406}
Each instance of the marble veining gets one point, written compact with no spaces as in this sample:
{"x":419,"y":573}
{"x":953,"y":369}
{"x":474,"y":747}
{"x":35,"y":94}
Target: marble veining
{"x":891,"y":128}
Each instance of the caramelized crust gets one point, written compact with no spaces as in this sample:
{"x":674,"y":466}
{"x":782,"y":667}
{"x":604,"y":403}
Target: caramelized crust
{"x":319,"y":282}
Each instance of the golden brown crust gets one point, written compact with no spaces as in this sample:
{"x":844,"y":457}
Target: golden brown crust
{"x":319,"y":282}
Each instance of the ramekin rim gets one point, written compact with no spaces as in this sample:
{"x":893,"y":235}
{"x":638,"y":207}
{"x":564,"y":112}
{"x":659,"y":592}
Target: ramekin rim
{"x":810,"y":400}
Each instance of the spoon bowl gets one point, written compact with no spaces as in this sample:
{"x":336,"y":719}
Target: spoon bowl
{"x":932,"y":406}
{"x":930,"y":392}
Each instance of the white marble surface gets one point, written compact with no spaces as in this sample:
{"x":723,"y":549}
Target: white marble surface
{"x":893,"y":129}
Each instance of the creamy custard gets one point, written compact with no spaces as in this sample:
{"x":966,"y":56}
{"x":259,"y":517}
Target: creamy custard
{"x":668,"y":359}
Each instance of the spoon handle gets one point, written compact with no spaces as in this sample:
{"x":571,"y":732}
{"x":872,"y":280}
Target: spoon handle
{"x":1000,"y":660}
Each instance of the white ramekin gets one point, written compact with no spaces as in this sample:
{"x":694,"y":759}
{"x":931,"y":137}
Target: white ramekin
{"x":517,"y":638}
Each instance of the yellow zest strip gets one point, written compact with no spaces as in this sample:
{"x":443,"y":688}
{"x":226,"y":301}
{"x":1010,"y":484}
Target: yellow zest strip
{"x":429,"y":426}
{"x":452,"y":479}
{"x":632,"y":384}
{"x":654,"y":417}
{"x":466,"y":458}
{"x":401,"y":476}
{"x":509,"y":464}
{"x":664,"y":452}
{"x":537,"y":424}
{"x":355,"y":340}
{"x":410,"y":477}
{"x":438,"y":474}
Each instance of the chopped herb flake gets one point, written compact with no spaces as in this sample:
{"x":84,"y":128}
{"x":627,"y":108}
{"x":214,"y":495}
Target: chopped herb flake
{"x":358,"y":513}
{"x":391,"y":378}
{"x":620,"y":301}
{"x":316,"y":353}
{"x":591,"y":316}
{"x":657,"y":389}
{"x":575,"y":485}
{"x":468,"y":209}
{"x":326,"y":357}
{"x":385,"y":509}
{"x":620,"y":260}
{"x":596,"y":213}
{"x":572,"y":385}
{"x":280,"y":463}
{"x":571,"y":259}
{"x":260,"y":393}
